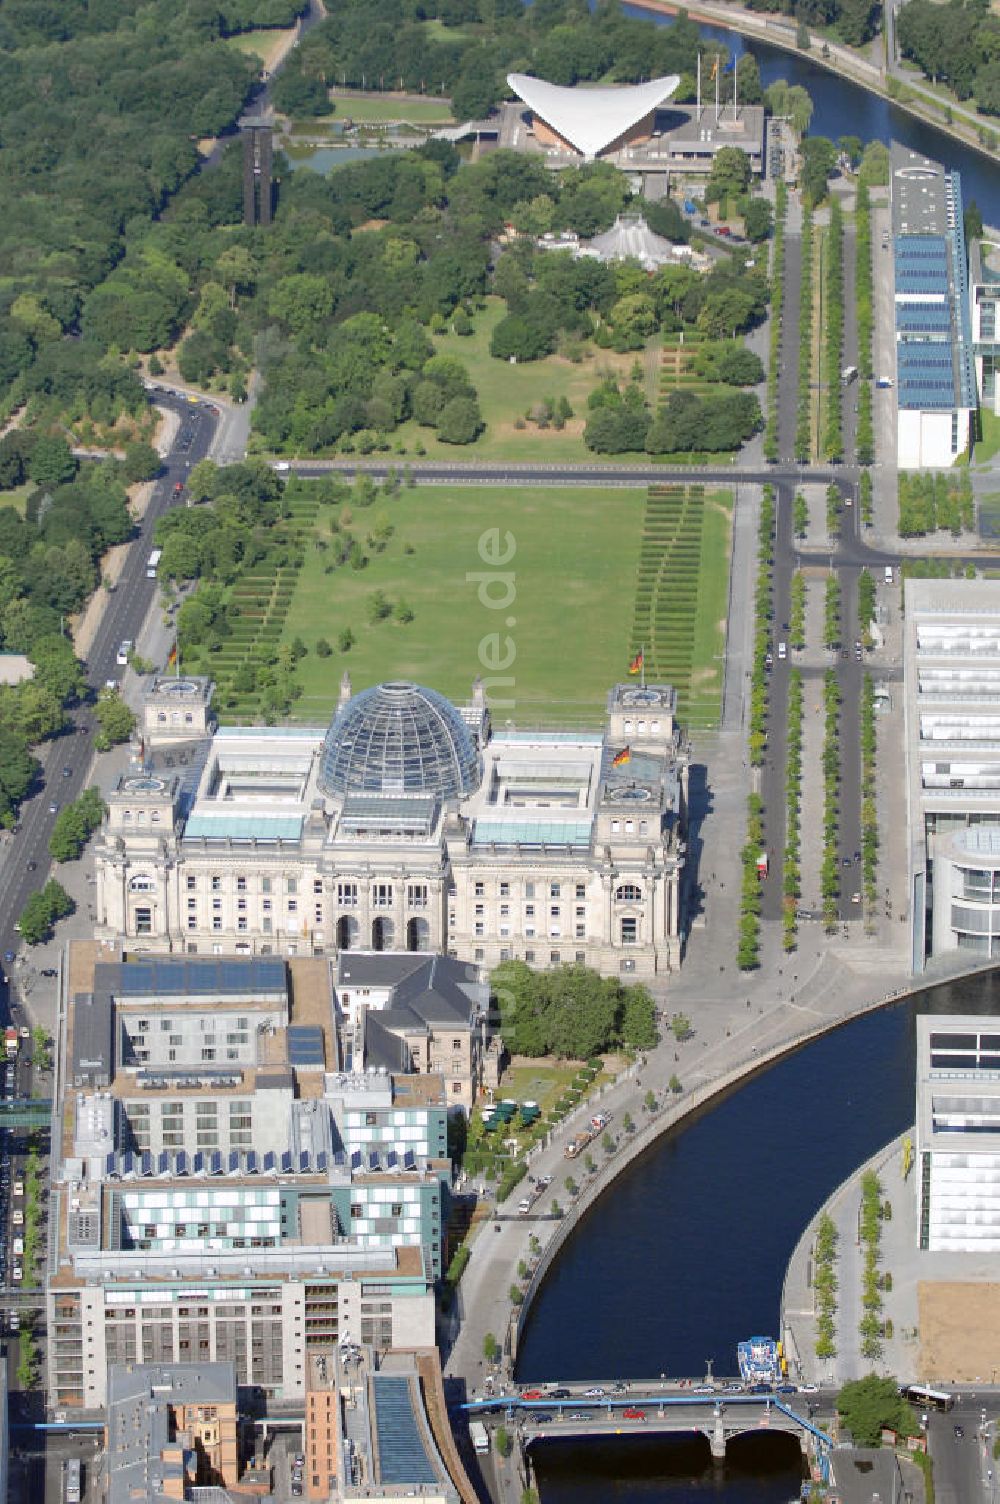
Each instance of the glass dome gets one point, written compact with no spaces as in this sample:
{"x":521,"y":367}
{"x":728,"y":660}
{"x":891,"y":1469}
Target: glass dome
{"x":399,"y":739}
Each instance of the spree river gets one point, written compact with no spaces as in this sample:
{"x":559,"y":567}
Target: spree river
{"x":844,"y":109}
{"x":686,"y":1252}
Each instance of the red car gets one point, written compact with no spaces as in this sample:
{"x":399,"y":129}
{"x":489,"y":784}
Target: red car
{"x":532,"y":1394}
{"x":632,"y":1412}
{"x":178,"y":488}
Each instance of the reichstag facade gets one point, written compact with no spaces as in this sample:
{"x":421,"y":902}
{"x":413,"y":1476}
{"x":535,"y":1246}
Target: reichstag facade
{"x":408,"y":824}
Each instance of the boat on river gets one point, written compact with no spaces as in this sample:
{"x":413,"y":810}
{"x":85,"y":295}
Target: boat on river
{"x":759,"y":1359}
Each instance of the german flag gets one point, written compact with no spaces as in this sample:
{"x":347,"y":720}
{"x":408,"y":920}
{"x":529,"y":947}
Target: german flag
{"x":635,"y":667}
{"x":622,"y":757}
{"x":172,"y":656}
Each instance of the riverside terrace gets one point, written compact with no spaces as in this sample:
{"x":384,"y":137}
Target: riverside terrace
{"x":719,"y":1416}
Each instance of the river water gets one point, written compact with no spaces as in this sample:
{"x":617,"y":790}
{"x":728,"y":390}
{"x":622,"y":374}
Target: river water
{"x":844,"y":109}
{"x":687,"y":1251}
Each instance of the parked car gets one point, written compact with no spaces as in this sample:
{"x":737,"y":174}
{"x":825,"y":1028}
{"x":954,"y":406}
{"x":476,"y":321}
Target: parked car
{"x":533,"y":1394}
{"x":633,"y":1412}
{"x":596,"y":1393}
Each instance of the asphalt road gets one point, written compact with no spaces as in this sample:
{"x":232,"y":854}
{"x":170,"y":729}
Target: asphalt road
{"x":462,"y":472}
{"x":964,"y":1469}
{"x":24,"y":857}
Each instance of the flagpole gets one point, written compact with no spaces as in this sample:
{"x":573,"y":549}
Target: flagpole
{"x":642,"y":664}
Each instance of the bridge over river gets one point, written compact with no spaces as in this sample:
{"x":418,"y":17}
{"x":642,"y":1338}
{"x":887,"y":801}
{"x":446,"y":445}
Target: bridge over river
{"x":719,"y":1416}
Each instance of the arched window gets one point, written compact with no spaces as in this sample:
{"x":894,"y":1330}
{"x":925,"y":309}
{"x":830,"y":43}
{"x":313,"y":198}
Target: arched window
{"x":382,"y":936}
{"x":418,"y":934}
{"x":628,"y":893}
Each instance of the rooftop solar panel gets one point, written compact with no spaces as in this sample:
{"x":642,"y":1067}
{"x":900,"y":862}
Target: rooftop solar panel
{"x":403,"y":1460}
{"x":200,"y":976}
{"x":305,"y":1046}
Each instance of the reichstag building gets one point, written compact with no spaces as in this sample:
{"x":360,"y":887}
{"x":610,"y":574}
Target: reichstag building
{"x":409,"y":823}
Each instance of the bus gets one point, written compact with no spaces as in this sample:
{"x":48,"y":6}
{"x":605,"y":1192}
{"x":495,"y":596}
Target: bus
{"x":927,"y":1398}
{"x":152,"y":562}
{"x":71,"y":1481}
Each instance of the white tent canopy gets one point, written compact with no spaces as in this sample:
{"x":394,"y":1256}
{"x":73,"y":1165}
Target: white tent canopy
{"x":591,"y":118}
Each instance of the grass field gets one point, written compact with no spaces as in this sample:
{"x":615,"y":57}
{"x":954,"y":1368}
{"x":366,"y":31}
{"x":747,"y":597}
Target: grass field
{"x":989,"y":444}
{"x":17,"y":497}
{"x":376,"y":109}
{"x":265,"y":44}
{"x":573,"y":573}
{"x":506,"y":392}
{"x":682,"y":596}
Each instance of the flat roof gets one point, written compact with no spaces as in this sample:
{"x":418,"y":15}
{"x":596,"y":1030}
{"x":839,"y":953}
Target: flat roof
{"x":934,"y":366}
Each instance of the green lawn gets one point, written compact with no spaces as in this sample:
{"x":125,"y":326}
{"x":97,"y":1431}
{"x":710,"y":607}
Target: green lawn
{"x":263,"y":44}
{"x":703,"y":703}
{"x":989,"y":444}
{"x":574,"y":574}
{"x":506,"y":392}
{"x":682,"y":597}
{"x":17,"y":497}
{"x":376,"y":109}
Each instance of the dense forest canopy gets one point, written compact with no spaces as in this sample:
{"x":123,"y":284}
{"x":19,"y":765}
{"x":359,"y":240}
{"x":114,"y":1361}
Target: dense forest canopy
{"x":854,"y":21}
{"x":958,"y":44}
{"x":101,"y":106}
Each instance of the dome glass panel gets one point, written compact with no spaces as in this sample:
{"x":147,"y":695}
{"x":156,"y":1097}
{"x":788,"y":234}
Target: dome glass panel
{"x":399,"y":738}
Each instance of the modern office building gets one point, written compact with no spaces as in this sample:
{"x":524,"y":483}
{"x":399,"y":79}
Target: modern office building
{"x":171,"y":1428}
{"x":935,"y":378}
{"x":951,"y":664}
{"x":222,"y":1189}
{"x":984,"y":298}
{"x":958,"y":1132}
{"x":407,"y":824}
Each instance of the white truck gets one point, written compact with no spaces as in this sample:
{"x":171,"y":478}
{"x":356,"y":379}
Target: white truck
{"x":480,"y":1436}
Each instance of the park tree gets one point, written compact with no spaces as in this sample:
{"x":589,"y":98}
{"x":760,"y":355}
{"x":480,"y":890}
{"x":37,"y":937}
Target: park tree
{"x":141,"y":462}
{"x":51,"y":462}
{"x":730,"y":174}
{"x":302,"y":301}
{"x":460,"y":421}
{"x":74,"y":826}
{"x":18,"y":771}
{"x":819,"y":158}
{"x":868,"y":1406}
{"x":42,"y":911}
{"x":758,"y":219}
{"x":115,"y":720}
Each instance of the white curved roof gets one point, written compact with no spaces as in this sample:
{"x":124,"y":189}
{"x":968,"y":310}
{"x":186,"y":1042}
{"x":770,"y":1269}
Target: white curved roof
{"x":590,"y":119}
